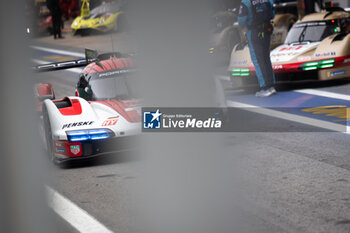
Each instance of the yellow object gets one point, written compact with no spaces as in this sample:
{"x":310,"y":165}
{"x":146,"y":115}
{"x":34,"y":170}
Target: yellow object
{"x":85,"y":8}
{"x":338,"y":111}
{"x":104,"y":18}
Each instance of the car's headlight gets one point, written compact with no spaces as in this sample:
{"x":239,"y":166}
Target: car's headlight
{"x":90,"y":134}
{"x":329,"y":63}
{"x":75,"y":23}
{"x":240,"y":72}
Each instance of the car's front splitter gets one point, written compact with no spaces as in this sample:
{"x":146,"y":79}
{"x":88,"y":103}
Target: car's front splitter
{"x":94,"y":148}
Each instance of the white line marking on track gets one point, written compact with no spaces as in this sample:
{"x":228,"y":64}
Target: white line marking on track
{"x":74,"y":70}
{"x":64,"y":52}
{"x":291,"y":117}
{"x":73,"y":214}
{"x":324,"y":94}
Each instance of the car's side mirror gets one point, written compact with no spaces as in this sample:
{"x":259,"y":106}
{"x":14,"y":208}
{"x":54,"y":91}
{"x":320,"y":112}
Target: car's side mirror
{"x":44,"y":91}
{"x":44,"y":97}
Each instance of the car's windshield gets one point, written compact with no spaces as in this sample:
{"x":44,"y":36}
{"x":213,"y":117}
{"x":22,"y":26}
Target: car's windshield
{"x":110,"y":87}
{"x":103,"y":9}
{"x":311,"y":31}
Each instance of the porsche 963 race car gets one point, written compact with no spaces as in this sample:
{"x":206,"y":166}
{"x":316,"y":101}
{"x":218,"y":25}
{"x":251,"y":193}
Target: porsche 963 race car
{"x":101,"y":118}
{"x":316,"y":48}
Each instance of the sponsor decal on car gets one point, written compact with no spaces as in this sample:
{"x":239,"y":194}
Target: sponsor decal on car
{"x":307,"y":58}
{"x":347,"y":60}
{"x":336,"y":73}
{"x":285,"y":53}
{"x":60,"y":150}
{"x":110,"y":121}
{"x":240,"y":62}
{"x":122,"y":71}
{"x":290,"y":48}
{"x":75,"y":124}
{"x":277,"y":67}
{"x":326,"y":54}
{"x":75,"y":149}
{"x":59,"y":144}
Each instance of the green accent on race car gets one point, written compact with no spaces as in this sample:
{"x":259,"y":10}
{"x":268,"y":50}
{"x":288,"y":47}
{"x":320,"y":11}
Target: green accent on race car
{"x":310,"y":68}
{"x":318,"y":65}
{"x":311,"y":64}
{"x":240,"y":72}
{"x":327,"y":66}
{"x":327,"y":61}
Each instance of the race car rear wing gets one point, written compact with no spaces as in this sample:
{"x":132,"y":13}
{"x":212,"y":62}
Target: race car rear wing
{"x":61,"y":65}
{"x":90,"y":56}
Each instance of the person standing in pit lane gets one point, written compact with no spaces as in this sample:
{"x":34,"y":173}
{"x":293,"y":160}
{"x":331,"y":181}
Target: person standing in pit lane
{"x":256,"y":16}
{"x":56,"y":14}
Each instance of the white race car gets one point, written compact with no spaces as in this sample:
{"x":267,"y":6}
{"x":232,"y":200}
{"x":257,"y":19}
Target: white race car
{"x":100,"y":119}
{"x":317,"y":48}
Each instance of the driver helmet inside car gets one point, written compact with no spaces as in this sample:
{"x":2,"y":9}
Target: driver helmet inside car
{"x":83,"y":88}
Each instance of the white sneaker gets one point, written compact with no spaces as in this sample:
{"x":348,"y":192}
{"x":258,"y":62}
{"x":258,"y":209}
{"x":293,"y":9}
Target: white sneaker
{"x":266,"y":93}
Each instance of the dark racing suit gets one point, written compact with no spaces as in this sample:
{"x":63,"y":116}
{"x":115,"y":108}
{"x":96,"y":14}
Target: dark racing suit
{"x":256,"y":16}
{"x":56,"y":14}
